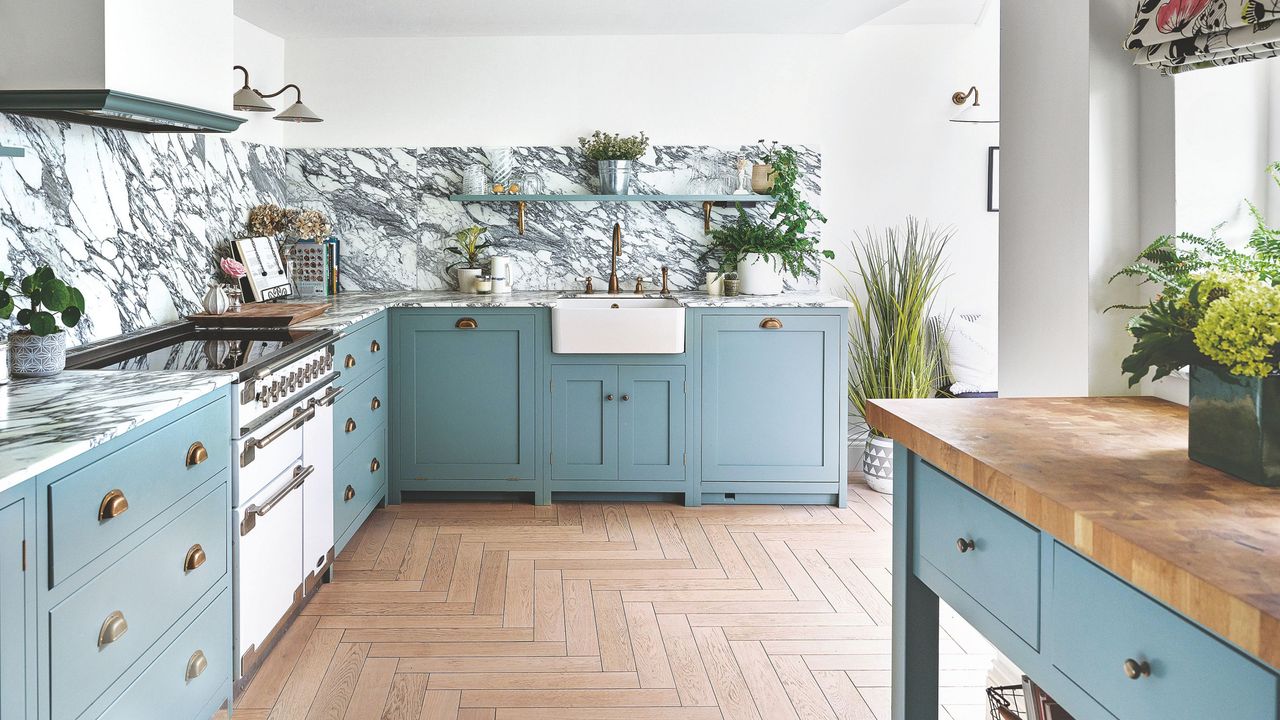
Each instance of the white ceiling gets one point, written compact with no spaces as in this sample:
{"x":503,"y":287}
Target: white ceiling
{"x":442,"y":18}
{"x":936,"y":12}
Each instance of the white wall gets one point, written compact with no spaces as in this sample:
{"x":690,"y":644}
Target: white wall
{"x":876,"y":102}
{"x":262,"y":53}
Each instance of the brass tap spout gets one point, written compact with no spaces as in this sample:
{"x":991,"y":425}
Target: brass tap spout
{"x":616,"y":252}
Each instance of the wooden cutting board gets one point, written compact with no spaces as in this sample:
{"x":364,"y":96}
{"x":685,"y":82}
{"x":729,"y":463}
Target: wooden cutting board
{"x":262,"y":315}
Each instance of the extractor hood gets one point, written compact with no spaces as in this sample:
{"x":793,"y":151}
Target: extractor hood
{"x":114,"y":109}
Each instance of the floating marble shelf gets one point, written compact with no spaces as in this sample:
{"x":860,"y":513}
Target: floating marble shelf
{"x":708,"y":201}
{"x":11,"y":151}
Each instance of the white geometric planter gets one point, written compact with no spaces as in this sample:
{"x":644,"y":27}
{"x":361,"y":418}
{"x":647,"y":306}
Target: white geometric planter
{"x":37,"y":355}
{"x":758,"y":276}
{"x":877,"y":464}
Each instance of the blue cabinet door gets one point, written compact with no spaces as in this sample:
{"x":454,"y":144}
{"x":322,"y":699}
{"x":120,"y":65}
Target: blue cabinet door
{"x":584,"y":422}
{"x":465,"y":393}
{"x":651,"y":423}
{"x":771,"y":398}
{"x":13,"y":612}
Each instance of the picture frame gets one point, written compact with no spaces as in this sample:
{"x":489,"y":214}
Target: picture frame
{"x":993,"y":179}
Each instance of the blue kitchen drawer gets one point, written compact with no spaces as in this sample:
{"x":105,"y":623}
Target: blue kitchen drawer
{"x":361,"y":348}
{"x":170,"y":688}
{"x":1001,"y":570}
{"x":150,"y":587}
{"x":152,"y":473}
{"x":361,"y":409}
{"x":358,"y":479}
{"x":1098,"y":623}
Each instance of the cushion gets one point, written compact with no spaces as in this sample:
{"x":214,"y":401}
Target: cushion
{"x":971,"y":355}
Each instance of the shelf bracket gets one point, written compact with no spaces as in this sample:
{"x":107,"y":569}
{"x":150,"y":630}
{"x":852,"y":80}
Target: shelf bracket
{"x":706,"y":216}
{"x":520,"y":217}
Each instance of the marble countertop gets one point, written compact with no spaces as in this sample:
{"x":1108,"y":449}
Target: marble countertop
{"x":46,"y":421}
{"x":349,"y":308}
{"x":1111,"y":478}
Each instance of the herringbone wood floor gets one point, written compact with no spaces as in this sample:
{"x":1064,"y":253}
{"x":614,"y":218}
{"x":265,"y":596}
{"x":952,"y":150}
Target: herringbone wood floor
{"x":596,"y":611}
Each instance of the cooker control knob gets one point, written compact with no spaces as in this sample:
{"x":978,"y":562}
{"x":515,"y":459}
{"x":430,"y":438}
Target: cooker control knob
{"x":275,"y":390}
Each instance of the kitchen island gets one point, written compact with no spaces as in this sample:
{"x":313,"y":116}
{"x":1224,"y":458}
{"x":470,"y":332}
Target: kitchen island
{"x":1077,"y":536}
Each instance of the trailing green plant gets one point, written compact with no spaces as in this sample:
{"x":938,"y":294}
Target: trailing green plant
{"x":794,"y":255}
{"x":891,"y":354}
{"x":791,"y":211}
{"x":607,"y":146}
{"x":49,"y":300}
{"x":468,"y":246}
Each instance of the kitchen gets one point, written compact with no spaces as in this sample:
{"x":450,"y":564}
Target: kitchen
{"x":397,"y":362}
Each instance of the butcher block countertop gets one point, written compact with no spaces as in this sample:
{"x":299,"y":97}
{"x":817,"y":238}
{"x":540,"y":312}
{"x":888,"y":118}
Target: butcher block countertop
{"x":1111,"y":478}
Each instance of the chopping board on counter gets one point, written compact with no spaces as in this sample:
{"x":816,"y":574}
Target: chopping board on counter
{"x":264,"y":315}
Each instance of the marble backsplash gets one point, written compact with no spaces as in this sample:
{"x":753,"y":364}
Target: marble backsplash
{"x":132,"y":219}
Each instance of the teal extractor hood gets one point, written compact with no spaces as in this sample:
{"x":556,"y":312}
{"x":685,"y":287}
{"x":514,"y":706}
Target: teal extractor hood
{"x":110,"y":108}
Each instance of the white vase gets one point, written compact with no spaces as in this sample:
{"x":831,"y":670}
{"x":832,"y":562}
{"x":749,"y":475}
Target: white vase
{"x":501,"y":162}
{"x":37,"y":355}
{"x":877,"y":464}
{"x":216,"y":301}
{"x":758,"y":275}
{"x":467,"y":278}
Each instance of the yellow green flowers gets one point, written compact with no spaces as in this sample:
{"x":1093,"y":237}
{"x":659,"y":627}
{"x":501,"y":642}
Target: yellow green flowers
{"x":1241,"y":328}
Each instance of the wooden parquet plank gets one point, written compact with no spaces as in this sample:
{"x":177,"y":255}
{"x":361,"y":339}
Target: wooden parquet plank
{"x":766,"y":689}
{"x":842,"y":696}
{"x":339,"y":682}
{"x":506,"y":664}
{"x":393,"y":551}
{"x":274,"y":672}
{"x":440,"y":566}
{"x":650,"y":654}
{"x":372,"y":688}
{"x":466,"y":572}
{"x":418,"y":555}
{"x":730,"y":686}
{"x":492,"y":589}
{"x":407,"y":695}
{"x":806,"y":696}
{"x":441,"y":704}
{"x":695,"y":540}
{"x":304,"y":682}
{"x":548,"y":606}
{"x":518,"y":607}
{"x":465,"y":649}
{"x":581,"y":637}
{"x":553,"y":697}
{"x":533,"y":680}
{"x":611,"y":628}
{"x":686,"y":663}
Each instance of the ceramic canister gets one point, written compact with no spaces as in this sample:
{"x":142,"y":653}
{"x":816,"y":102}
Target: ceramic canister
{"x":500,"y":270}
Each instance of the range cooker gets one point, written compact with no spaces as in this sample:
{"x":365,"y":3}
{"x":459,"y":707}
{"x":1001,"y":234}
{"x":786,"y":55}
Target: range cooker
{"x":282,"y":442}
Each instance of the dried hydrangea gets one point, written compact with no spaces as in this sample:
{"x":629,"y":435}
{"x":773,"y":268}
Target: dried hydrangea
{"x":311,"y":225}
{"x":1242,"y":330}
{"x":268,"y":219}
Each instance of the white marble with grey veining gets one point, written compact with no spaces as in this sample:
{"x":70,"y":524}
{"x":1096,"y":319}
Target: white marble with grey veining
{"x":45,"y":422}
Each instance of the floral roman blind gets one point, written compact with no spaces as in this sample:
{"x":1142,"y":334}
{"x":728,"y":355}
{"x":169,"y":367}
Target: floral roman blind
{"x":1179,"y":35}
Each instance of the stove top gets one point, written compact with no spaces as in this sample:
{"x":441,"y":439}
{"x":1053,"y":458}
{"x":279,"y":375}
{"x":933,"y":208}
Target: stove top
{"x":186,"y":347}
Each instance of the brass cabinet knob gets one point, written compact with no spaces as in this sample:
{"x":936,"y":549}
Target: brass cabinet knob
{"x":196,"y":454}
{"x":771,"y":323}
{"x":375,"y":403}
{"x":374,"y":346}
{"x":195,"y":558}
{"x":466,"y":323}
{"x":349,"y":494}
{"x":196,"y":665}
{"x":609,"y":397}
{"x":350,"y":362}
{"x":113,"y":505}
{"x":350,"y":425}
{"x":113,"y":628}
{"x":625,"y":397}
{"x":1137,"y":670}
{"x":374,"y":465}
{"x":964,"y":545}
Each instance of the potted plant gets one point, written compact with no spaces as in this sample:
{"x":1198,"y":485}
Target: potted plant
{"x":1217,"y":313}
{"x":762,"y":172}
{"x":468,"y":246}
{"x":890,"y":356}
{"x":40,"y":350}
{"x":614,"y":156}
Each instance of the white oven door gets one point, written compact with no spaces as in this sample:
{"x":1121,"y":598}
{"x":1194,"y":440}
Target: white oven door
{"x":268,"y":550}
{"x":317,"y":494}
{"x":264,"y":453}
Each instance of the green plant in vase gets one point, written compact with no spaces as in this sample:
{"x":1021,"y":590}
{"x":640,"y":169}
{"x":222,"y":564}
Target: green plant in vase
{"x":39,"y":350}
{"x":614,"y":156}
{"x":468,"y":246}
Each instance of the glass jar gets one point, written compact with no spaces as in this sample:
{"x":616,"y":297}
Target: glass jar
{"x":475,"y":180}
{"x":483,"y":285}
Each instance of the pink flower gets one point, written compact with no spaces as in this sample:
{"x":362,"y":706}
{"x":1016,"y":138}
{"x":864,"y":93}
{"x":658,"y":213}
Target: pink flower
{"x":1175,"y":15}
{"x":233,"y":268}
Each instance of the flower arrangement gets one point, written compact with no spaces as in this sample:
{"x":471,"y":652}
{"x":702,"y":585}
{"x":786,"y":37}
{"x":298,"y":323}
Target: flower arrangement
{"x":269,"y":219}
{"x":310,"y":225}
{"x":607,"y":146}
{"x":232,"y":268}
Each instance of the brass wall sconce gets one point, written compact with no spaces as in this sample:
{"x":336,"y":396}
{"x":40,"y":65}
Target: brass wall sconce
{"x":248,"y":99}
{"x":975,"y":113}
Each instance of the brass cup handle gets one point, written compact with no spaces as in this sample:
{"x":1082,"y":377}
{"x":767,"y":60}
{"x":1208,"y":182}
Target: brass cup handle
{"x":771,"y":323}
{"x":350,"y":425}
{"x":374,"y":465}
{"x":349,"y":494}
{"x":194,"y":559}
{"x":113,"y":505}
{"x":374,"y":346}
{"x":113,"y":628}
{"x":1136,"y":670}
{"x":350,"y":362}
{"x":196,"y":454}
{"x":466,"y":323}
{"x":964,"y":545}
{"x":196,"y":665}
{"x":375,"y":403}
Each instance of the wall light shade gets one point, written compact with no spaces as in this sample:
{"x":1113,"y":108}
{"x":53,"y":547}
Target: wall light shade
{"x":975,"y":113}
{"x":247,"y":99}
{"x":298,"y":112}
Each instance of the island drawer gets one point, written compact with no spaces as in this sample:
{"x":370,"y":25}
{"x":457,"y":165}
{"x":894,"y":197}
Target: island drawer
{"x":105,"y":626}
{"x":1141,"y":660}
{"x":97,"y":506}
{"x":991,"y":555}
{"x":360,"y":409}
{"x":188,"y":674}
{"x":356,"y":479}
{"x":361,"y":348}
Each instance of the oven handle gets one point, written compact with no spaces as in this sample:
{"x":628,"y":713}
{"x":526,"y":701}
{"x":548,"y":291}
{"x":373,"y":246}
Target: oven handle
{"x":300,"y":417}
{"x":328,"y":399}
{"x":253,"y":512}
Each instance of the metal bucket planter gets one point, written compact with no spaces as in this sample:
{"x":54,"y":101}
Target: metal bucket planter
{"x":37,"y":355}
{"x":1235,"y":424}
{"x":615,"y":176}
{"x":877,"y":464}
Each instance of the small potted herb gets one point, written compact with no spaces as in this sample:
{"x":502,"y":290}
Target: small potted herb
{"x":467,"y":245}
{"x":614,"y":156}
{"x":40,"y":350}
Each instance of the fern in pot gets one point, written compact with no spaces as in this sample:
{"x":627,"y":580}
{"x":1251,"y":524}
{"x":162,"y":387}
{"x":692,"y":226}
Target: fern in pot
{"x":898,"y":274}
{"x":39,"y":350}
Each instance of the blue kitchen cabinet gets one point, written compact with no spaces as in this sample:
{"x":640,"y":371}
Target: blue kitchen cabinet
{"x":584,"y":422}
{"x":651,"y":423}
{"x":17,"y":621}
{"x":772,"y":405}
{"x":464,"y":382}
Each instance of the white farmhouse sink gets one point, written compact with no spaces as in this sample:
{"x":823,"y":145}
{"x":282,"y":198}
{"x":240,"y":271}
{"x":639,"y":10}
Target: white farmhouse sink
{"x":613,"y":324}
